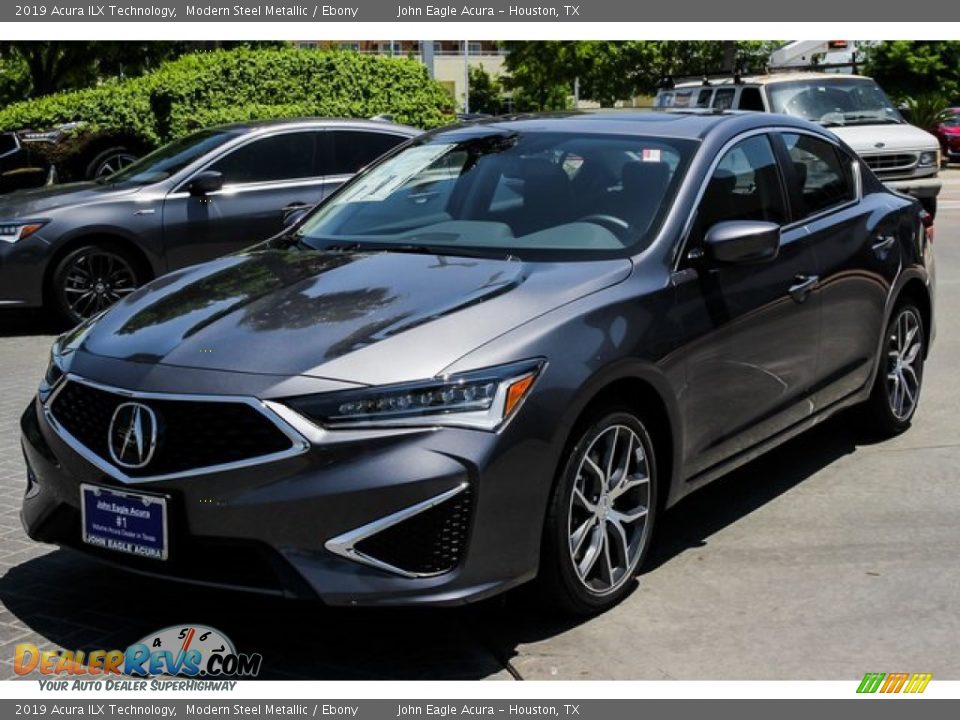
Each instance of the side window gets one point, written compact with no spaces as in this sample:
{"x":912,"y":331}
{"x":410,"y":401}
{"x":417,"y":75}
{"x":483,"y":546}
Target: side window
{"x":703,"y":99}
{"x":823,"y":180}
{"x":347,"y":151}
{"x":723,"y":98}
{"x":281,"y":157}
{"x":750,"y":99}
{"x":745,"y":186}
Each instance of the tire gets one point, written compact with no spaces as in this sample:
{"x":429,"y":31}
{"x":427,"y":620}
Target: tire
{"x":930,"y":205}
{"x":577,"y":575}
{"x":896,"y":390}
{"x":108,"y":161}
{"x":91,"y":278}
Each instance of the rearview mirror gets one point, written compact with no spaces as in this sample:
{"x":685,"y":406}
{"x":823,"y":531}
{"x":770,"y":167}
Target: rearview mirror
{"x":743,"y":241}
{"x":206,"y":182}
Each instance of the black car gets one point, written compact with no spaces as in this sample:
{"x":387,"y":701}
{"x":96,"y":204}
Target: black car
{"x":497,"y":354}
{"x":68,"y":152}
{"x":80,"y":247}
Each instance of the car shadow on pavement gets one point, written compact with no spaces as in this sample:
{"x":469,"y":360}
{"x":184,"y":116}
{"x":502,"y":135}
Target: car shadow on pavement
{"x":66,"y":600}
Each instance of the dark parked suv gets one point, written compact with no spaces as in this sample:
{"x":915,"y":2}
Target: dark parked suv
{"x":81,"y":247}
{"x":498,"y":353}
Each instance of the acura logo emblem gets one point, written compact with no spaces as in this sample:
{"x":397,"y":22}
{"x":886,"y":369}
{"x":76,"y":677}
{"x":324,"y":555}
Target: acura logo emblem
{"x":132,"y":436}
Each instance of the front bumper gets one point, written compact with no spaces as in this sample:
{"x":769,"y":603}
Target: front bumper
{"x":22,"y":267}
{"x":918,"y":188}
{"x":288,"y":527}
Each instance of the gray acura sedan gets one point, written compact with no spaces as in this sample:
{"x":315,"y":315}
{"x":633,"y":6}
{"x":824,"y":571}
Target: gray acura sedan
{"x":80,"y":247}
{"x":497,"y":354}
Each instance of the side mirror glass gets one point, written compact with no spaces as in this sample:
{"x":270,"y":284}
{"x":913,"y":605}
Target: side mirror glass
{"x":742,"y":241}
{"x":206,"y":182}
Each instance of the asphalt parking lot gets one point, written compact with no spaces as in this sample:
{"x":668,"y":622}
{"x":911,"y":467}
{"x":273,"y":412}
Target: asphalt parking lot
{"x":828,"y":558}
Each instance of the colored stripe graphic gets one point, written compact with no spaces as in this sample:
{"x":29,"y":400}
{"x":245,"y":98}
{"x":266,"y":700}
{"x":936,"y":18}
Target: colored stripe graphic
{"x":894,"y":682}
{"x":871,"y":682}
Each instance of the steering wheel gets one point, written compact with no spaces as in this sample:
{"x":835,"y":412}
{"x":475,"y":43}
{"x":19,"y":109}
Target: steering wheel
{"x":618,"y":226}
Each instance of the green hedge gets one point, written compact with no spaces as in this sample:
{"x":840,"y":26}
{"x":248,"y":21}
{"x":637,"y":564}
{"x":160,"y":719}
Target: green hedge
{"x":218,"y":87}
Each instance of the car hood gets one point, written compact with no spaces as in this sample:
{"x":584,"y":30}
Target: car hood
{"x":360,"y":317}
{"x":866,"y":139}
{"x":36,"y":202}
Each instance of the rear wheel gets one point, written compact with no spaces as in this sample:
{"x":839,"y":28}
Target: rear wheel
{"x":896,"y":391}
{"x":91,"y":278}
{"x":601,"y":514}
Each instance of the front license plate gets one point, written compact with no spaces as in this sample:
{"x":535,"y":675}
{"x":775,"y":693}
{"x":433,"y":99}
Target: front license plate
{"x":123,"y":521}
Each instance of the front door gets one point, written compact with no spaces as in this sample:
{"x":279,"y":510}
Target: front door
{"x":752,"y":329}
{"x":262,"y":179}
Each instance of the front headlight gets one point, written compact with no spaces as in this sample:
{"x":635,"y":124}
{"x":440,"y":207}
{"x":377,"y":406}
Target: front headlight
{"x":929,"y":158}
{"x":481,"y":399}
{"x":12,"y":232}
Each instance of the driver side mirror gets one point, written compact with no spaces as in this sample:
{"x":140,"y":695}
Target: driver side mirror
{"x":206,"y":182}
{"x":742,"y":241}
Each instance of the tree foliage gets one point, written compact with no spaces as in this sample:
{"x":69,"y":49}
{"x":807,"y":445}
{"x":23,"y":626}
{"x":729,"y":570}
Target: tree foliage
{"x":54,"y":66}
{"x":486,"y":92}
{"x":908,"y":68}
{"x":618,"y":70}
{"x":203,"y":89}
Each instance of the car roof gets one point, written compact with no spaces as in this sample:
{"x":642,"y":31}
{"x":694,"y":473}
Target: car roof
{"x":766,"y":79}
{"x":252,"y":126}
{"x":680,"y":125}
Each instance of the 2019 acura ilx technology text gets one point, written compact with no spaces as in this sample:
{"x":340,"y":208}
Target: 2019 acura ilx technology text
{"x":498,"y":353}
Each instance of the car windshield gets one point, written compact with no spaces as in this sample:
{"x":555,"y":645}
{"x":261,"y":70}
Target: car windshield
{"x":169,"y":159}
{"x":952,"y":119}
{"x":832,"y":102}
{"x":507,"y":192}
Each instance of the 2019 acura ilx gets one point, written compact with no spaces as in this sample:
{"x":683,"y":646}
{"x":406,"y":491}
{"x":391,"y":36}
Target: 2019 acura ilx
{"x":498,"y":353}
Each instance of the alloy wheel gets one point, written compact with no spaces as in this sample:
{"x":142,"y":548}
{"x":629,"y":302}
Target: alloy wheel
{"x":904,"y":363}
{"x":95,"y":280}
{"x":607,"y":517}
{"x":113,"y":163}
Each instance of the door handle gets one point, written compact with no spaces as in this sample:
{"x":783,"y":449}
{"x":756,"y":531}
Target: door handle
{"x":293,"y":206}
{"x":802,"y":286}
{"x":884,"y":243}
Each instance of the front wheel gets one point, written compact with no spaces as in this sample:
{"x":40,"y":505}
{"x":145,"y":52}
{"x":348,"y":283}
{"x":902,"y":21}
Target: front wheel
{"x":601,"y":514}
{"x":90,"y":279}
{"x":896,"y":391}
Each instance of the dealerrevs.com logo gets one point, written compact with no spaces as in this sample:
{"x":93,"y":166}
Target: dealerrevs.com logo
{"x":190,"y":651}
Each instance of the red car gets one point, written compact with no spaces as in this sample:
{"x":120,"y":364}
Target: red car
{"x":948,"y":133}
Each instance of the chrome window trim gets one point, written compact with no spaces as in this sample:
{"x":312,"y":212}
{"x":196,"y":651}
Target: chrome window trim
{"x":244,"y":140}
{"x":770,"y":130}
{"x":298,"y":443}
{"x":344,"y":545}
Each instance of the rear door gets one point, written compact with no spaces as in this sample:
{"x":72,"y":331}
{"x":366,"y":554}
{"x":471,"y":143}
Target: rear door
{"x":857,"y":259}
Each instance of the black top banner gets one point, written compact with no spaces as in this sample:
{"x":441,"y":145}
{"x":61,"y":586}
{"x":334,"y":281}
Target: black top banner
{"x":571,"y":11}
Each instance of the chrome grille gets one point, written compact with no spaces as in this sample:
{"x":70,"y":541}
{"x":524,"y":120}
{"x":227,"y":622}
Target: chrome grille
{"x":885,"y":163}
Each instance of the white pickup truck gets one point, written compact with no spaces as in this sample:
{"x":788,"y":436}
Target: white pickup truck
{"x":855,"y":108}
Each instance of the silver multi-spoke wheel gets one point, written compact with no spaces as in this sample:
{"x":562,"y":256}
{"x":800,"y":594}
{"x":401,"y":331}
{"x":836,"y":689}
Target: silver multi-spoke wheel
{"x":607,"y":519}
{"x":904,"y":363}
{"x":95,"y":280}
{"x":113,"y":163}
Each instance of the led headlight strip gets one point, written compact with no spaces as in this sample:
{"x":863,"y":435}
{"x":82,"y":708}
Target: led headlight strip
{"x":481,"y":399}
